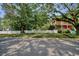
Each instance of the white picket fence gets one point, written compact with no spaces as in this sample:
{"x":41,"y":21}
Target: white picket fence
{"x":29,"y":31}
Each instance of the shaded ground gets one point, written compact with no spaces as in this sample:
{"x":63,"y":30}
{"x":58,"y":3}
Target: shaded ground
{"x":38,"y":47}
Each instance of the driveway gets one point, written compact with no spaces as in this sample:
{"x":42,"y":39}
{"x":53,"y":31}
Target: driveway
{"x":38,"y":47}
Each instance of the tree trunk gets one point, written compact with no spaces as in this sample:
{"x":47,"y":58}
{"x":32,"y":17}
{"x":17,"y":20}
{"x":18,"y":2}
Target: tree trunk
{"x":22,"y":30}
{"x":77,"y":30}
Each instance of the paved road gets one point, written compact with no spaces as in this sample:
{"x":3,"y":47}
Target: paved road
{"x":38,"y":47}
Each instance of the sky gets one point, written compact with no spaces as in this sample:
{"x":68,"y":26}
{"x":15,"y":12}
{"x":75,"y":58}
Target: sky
{"x":2,"y":13}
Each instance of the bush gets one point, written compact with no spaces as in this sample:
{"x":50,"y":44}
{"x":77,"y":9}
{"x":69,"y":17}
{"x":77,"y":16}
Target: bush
{"x":52,"y":27}
{"x":66,"y":31}
{"x":70,"y":35}
{"x":59,"y":31}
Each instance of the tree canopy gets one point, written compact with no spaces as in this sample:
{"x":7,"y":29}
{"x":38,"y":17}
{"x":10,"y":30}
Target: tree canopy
{"x":34,"y":16}
{"x":25,"y":16}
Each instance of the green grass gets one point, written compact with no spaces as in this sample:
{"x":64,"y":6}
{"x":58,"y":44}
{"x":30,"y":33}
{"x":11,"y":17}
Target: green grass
{"x":39,"y":35}
{"x":14,"y":35}
{"x":51,"y":35}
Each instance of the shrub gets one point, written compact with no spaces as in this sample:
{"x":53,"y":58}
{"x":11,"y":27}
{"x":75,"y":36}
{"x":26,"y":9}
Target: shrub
{"x":66,"y":31}
{"x":59,"y":31}
{"x":52,"y":27}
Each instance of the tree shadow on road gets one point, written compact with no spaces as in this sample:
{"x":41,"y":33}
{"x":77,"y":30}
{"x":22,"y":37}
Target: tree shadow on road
{"x":30,"y":47}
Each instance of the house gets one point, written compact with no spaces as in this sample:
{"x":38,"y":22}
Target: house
{"x":62,"y":25}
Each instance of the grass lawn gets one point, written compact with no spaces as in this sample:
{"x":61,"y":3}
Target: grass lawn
{"x":40,"y":35}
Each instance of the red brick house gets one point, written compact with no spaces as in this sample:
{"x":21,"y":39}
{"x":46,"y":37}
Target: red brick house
{"x":59,"y":24}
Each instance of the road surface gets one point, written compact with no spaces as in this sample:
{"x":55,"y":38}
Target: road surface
{"x":38,"y":47}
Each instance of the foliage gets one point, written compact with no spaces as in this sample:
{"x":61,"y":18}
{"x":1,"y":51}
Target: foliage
{"x":66,"y":31}
{"x":51,"y":27}
{"x":59,"y":31}
{"x":5,"y":24}
{"x":34,"y":16}
{"x":70,"y":15}
{"x":25,"y":16}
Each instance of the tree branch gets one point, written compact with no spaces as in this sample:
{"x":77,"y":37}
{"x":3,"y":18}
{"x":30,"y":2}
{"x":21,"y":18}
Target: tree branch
{"x":64,"y":15}
{"x":69,"y":20}
{"x":67,"y":7}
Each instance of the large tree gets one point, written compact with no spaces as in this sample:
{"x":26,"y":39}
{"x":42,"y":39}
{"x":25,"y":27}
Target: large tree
{"x":25,"y":16}
{"x":19,"y":14}
{"x":70,"y":14}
